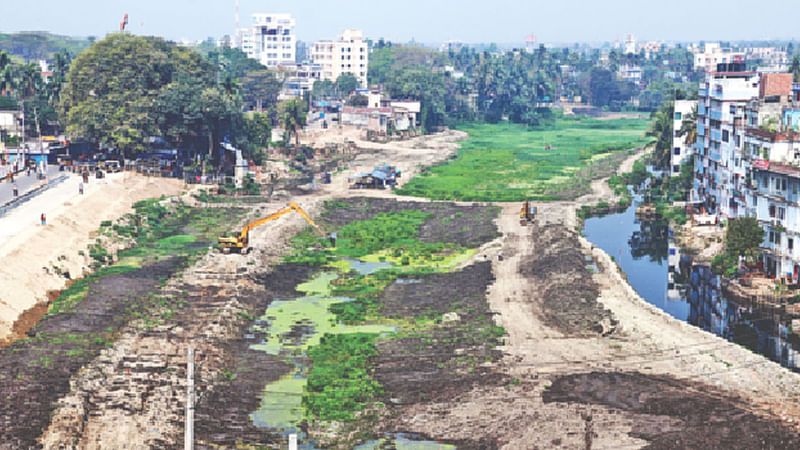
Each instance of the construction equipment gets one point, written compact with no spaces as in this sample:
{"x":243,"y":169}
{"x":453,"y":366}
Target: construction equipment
{"x":238,"y":242}
{"x":527,"y":213}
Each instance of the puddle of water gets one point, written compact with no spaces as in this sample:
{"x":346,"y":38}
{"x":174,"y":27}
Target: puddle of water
{"x":319,"y":285}
{"x":367,"y":267}
{"x":404,"y":441}
{"x":309,"y":319}
{"x":281,"y":403}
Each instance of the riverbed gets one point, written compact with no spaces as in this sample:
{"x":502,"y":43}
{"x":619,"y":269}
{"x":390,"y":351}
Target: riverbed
{"x":654,"y":267}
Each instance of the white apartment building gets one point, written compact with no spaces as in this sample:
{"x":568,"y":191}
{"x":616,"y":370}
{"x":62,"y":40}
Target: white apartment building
{"x":270,"y":40}
{"x":712,"y":54}
{"x":349,"y":54}
{"x":680,"y":149}
{"x":719,"y":168}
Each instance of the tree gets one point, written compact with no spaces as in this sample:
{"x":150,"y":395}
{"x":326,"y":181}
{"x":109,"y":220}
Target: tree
{"x":126,"y":88}
{"x":292,"y":115}
{"x":346,"y":83}
{"x":260,"y":89}
{"x":689,"y":127}
{"x":324,"y":89}
{"x":358,"y":100}
{"x":743,"y":237}
{"x":661,"y":129}
{"x":795,"y":68}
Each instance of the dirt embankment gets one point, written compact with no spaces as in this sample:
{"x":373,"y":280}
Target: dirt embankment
{"x":43,"y":258}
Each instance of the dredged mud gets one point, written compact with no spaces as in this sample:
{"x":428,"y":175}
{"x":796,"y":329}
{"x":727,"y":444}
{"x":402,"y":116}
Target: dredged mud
{"x":567,"y":299}
{"x":671,"y":413}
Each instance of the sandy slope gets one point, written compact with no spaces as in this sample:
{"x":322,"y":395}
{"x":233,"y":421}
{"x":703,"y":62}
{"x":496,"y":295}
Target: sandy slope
{"x":31,"y":252}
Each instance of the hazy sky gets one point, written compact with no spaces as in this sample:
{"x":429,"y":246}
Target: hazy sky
{"x":501,"y":21}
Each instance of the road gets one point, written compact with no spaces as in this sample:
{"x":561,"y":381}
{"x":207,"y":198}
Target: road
{"x":24,"y":183}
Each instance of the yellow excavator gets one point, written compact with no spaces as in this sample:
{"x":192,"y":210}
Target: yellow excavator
{"x":527,"y":213}
{"x":237,"y":242}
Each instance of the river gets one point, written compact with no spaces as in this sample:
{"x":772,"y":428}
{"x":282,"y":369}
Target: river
{"x":690,"y":293}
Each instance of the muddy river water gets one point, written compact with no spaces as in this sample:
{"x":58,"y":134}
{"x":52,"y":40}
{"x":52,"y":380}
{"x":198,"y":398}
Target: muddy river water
{"x":687,"y":292}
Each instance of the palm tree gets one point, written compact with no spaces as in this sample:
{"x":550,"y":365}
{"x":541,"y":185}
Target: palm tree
{"x":292,"y":114}
{"x":661,"y":129}
{"x":6,"y":74}
{"x":689,"y":127}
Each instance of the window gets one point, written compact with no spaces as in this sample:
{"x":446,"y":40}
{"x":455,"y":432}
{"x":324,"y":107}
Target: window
{"x":677,"y":116}
{"x":781,"y":213}
{"x":676,"y":168}
{"x":733,"y":109}
{"x":783,"y":184}
{"x":772,"y":211}
{"x":676,"y":151}
{"x":724,"y":135}
{"x":790,"y":244}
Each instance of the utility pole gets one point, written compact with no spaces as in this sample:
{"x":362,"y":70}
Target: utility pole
{"x":188,"y":434}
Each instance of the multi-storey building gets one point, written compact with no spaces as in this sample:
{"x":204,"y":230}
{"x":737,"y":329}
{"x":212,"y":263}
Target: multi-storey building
{"x":712,"y":54}
{"x":747,"y":156}
{"x":270,"y":40}
{"x":719,"y":170}
{"x":350,"y":54}
{"x":775,"y":202}
{"x":681,"y":150}
{"x":297,"y":79}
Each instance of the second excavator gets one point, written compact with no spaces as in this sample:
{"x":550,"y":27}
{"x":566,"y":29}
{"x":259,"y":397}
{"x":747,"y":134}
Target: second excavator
{"x":239,"y":242}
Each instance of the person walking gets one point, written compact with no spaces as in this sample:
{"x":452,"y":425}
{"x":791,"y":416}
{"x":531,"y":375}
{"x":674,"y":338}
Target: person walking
{"x":44,"y":219}
{"x":80,"y":188}
{"x":16,"y":190}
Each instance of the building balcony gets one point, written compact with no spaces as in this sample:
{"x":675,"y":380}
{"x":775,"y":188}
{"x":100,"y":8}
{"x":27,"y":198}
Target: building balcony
{"x":716,"y":135}
{"x":701,"y":130}
{"x":702,"y":93}
{"x":701,"y":109}
{"x":715,"y":114}
{"x":714,"y":156}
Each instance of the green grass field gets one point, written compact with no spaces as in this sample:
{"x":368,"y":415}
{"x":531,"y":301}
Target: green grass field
{"x":508,"y":162}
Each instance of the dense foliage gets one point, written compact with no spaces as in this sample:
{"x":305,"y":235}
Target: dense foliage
{"x":38,"y":45}
{"x":126,"y":88}
{"x":340,"y":382}
{"x":507,"y":162}
{"x":467,"y":84}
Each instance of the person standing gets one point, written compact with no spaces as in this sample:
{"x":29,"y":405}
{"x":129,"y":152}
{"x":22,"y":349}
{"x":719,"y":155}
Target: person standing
{"x":44,"y":219}
{"x":16,"y":190}
{"x":80,"y":188}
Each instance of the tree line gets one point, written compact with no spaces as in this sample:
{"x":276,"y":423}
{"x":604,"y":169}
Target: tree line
{"x":520,"y":85}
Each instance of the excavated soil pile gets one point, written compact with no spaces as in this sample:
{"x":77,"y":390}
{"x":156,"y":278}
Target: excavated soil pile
{"x":223,"y":416}
{"x":467,"y":226}
{"x":36,"y":372}
{"x":567,"y":293}
{"x":671,"y":413}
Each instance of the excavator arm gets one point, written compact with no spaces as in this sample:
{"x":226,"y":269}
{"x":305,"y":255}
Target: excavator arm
{"x":300,"y":211}
{"x":242,"y":240}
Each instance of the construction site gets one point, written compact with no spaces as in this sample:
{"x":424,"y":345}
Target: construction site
{"x":148,"y":313}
